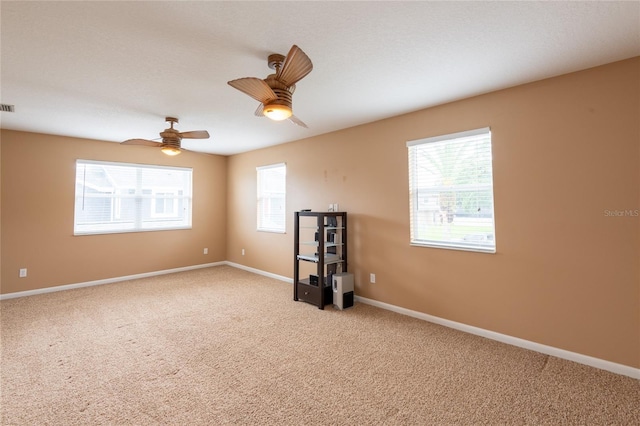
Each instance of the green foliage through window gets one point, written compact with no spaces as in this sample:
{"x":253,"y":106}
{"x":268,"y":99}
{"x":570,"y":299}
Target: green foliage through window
{"x":451,"y":191}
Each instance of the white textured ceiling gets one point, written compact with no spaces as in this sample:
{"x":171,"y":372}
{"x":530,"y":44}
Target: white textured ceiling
{"x":113,"y":70}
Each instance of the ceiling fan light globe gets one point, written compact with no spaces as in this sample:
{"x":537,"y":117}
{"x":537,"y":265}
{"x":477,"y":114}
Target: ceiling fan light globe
{"x":170,"y":150}
{"x":277,"y":112}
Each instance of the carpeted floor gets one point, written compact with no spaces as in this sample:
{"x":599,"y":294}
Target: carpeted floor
{"x":224,"y":346}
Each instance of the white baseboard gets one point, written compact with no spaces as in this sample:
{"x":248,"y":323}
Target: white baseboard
{"x":105,"y":281}
{"x":602,"y":364}
{"x":260,"y":272}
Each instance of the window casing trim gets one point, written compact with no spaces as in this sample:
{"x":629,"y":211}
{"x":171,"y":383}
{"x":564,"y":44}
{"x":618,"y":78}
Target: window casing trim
{"x":261,"y":215}
{"x":120,"y":189}
{"x":483,"y":243}
{"x":449,"y":136}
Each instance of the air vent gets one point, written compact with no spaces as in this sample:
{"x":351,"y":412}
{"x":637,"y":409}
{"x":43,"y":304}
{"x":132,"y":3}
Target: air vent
{"x":7,"y":108}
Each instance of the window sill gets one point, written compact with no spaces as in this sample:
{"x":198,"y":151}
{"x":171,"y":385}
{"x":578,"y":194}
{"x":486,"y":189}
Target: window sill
{"x":488,"y":250}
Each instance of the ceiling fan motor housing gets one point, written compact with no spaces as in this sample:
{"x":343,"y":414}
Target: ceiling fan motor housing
{"x":171,"y":146}
{"x":170,"y":137}
{"x":284,"y":98}
{"x":175,"y":142}
{"x":280,"y":108}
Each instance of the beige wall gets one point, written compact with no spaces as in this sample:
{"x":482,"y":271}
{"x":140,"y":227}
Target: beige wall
{"x":565,"y":274}
{"x":565,"y":150}
{"x":38,"y":175}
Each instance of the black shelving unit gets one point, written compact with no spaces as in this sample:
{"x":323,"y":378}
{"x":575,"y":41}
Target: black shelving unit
{"x":320,"y":238}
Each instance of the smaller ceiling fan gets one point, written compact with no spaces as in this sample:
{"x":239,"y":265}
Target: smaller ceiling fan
{"x":275,"y":92}
{"x":171,"y":138}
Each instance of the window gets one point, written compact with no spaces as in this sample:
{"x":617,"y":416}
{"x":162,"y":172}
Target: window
{"x":122,"y":197}
{"x":451,"y":191}
{"x":271,"y":197}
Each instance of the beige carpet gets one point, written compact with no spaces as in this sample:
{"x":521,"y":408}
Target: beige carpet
{"x":224,"y":346}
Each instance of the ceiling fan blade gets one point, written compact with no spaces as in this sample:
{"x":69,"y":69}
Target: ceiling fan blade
{"x":260,"y":111}
{"x":195,"y":134}
{"x":297,"y":121}
{"x":296,"y":65}
{"x":256,"y":88}
{"x":141,"y":142}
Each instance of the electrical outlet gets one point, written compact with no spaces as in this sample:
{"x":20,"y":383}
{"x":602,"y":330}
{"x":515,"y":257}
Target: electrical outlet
{"x":372,"y":278}
{"x":206,"y":251}
{"x":23,"y":272}
{"x":243,"y":252}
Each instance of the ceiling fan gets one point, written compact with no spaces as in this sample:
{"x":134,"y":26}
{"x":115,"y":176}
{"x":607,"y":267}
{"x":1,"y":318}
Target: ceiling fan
{"x":275,"y":92}
{"x":171,"y":138}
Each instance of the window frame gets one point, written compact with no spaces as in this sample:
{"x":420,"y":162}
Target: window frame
{"x":261,"y":197}
{"x":142,"y":195}
{"x":484,"y":241}
{"x":164,"y":193}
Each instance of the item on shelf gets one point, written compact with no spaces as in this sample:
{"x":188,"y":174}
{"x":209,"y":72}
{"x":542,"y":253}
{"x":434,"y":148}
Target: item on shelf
{"x":328,"y":257}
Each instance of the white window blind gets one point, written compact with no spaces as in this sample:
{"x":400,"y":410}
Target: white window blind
{"x":451,"y":191}
{"x":123,"y":197}
{"x":271,"y":197}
